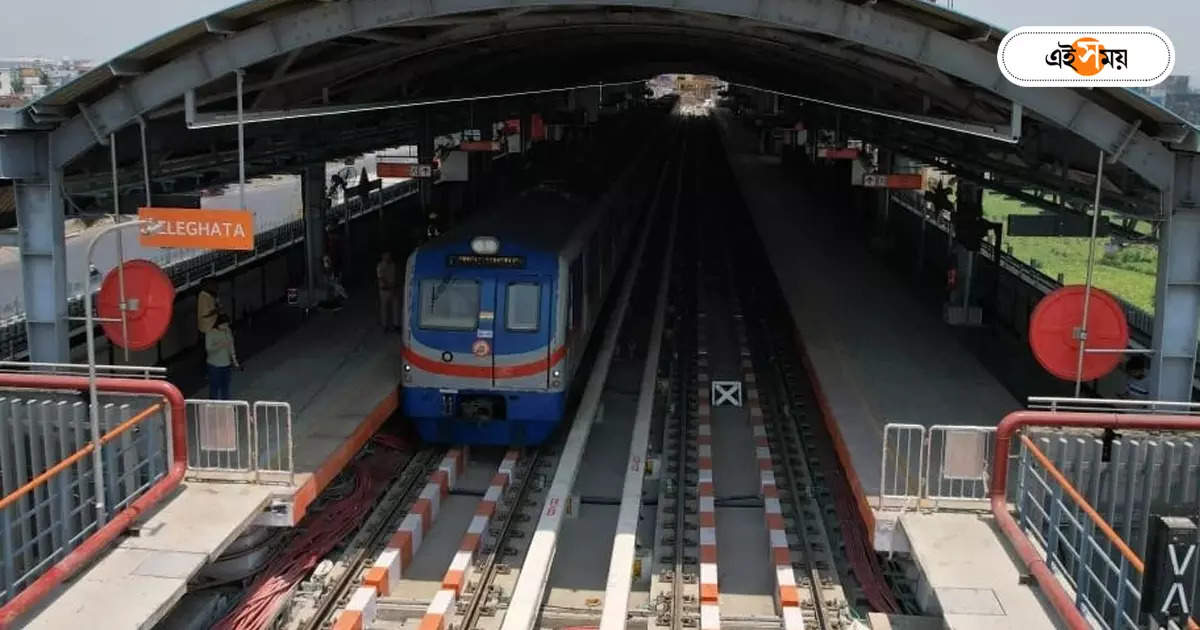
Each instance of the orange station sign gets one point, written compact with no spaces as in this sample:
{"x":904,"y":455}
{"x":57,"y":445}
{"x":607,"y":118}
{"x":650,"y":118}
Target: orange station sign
{"x":189,"y":228}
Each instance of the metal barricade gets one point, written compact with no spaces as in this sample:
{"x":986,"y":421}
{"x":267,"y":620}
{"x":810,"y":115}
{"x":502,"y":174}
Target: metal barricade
{"x":1077,"y":543}
{"x":940,"y":466}
{"x":273,"y":441}
{"x":232,"y":440}
{"x":220,"y":440}
{"x":901,"y":465}
{"x":48,"y":476}
{"x":957,"y":461}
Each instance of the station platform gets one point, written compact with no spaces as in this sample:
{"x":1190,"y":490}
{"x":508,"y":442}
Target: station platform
{"x":877,"y":355}
{"x":969,"y":577}
{"x":340,"y":374}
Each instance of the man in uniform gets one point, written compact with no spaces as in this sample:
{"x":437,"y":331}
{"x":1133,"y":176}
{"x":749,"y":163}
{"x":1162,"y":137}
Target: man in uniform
{"x":389,"y":299}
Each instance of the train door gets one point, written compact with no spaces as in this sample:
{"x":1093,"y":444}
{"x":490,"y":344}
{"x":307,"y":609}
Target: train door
{"x":523,"y":331}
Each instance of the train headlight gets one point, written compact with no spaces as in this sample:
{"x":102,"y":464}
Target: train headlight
{"x":407,"y":367}
{"x":485,"y":245}
{"x":555,"y":374}
{"x":555,"y":383}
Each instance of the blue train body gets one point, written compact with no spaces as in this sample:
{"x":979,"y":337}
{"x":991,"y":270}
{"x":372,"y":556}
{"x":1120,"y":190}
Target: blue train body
{"x":498,"y":314}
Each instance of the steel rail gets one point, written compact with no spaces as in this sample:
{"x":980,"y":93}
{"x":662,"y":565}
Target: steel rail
{"x":530,"y":589}
{"x":377,"y":526}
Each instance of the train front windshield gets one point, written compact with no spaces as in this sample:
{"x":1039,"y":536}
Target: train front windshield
{"x":449,"y":303}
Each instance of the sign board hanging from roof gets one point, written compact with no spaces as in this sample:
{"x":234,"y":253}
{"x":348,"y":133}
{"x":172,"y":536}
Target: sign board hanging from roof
{"x":187,"y":228}
{"x":903,"y":181}
{"x":837,"y":153}
{"x":394,"y":169}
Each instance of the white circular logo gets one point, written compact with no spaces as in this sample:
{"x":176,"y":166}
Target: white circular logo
{"x":1086,"y":56}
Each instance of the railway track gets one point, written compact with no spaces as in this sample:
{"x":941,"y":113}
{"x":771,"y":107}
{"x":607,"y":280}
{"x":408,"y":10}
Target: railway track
{"x":331,"y":585}
{"x":381,"y":585}
{"x":767,"y":529}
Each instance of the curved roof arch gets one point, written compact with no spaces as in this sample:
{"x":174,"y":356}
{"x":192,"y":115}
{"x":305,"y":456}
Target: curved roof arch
{"x":903,"y":56}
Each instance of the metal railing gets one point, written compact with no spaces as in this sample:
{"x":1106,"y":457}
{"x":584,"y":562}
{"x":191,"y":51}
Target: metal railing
{"x":940,"y":466}
{"x":1078,"y":544}
{"x":187,"y":268}
{"x":81,"y":369}
{"x":49,"y":506}
{"x":1113,"y":405}
{"x":230,"y":440}
{"x":1140,"y":321}
{"x":273,"y":442}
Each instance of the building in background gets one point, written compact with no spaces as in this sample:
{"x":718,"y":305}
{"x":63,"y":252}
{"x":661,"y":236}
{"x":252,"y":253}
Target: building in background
{"x":26,"y":79}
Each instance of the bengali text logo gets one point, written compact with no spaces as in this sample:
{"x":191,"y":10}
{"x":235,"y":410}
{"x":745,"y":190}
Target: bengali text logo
{"x":1048,"y":56}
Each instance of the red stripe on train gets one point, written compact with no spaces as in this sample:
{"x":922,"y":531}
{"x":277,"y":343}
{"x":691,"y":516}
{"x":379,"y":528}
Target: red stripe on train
{"x":479,"y":371}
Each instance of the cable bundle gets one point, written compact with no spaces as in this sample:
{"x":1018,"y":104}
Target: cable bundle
{"x":331,"y":526}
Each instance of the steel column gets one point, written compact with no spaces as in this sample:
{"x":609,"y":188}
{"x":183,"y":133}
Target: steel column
{"x":41,"y":232}
{"x":1177,"y":295}
{"x":313,"y":190}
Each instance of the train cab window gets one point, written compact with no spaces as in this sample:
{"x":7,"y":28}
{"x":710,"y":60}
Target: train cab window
{"x":521,"y":306}
{"x":451,"y":304}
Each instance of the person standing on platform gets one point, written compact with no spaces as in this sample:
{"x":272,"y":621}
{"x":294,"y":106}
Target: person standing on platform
{"x":208,"y":304}
{"x":1137,"y":379}
{"x":222,"y":358}
{"x":389,"y":299}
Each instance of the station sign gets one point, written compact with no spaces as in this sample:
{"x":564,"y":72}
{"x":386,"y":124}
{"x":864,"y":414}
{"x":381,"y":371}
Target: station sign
{"x":902,"y":181}
{"x":398,"y":169}
{"x":836,"y":153}
{"x":188,"y":228}
{"x":487,"y":146}
{"x":471,"y":135}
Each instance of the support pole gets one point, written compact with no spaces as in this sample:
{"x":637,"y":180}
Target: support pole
{"x":90,"y":332}
{"x":313,"y":190}
{"x":1081,"y":334}
{"x":1177,"y":293}
{"x":241,"y":132}
{"x":112,"y":145}
{"x":41,"y":232}
{"x":145,"y":162}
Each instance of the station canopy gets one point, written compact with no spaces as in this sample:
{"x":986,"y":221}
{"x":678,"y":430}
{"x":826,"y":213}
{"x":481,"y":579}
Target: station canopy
{"x":302,"y":56}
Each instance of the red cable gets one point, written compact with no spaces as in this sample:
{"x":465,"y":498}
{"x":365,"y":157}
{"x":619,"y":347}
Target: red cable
{"x":331,"y":526}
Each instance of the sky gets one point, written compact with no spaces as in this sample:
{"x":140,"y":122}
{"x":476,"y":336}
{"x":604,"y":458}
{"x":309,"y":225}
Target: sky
{"x":56,"y":28}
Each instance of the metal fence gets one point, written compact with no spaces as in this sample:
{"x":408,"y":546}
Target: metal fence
{"x":49,"y":480}
{"x":940,"y":466}
{"x":1079,"y":544}
{"x":230,"y":440}
{"x":187,"y":268}
{"x":1140,"y":321}
{"x":273,"y":441}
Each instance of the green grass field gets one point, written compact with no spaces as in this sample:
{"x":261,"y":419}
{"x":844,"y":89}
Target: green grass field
{"x":1127,"y":272}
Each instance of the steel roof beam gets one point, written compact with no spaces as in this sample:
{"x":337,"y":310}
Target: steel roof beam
{"x":862,"y":25}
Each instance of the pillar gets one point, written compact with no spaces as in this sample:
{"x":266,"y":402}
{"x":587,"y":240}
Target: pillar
{"x":313,"y":191}
{"x":42,"y":240}
{"x":526,"y":125}
{"x":1177,"y":295}
{"x":425,"y":156}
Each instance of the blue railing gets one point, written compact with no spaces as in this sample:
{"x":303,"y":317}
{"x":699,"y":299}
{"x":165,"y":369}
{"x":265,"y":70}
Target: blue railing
{"x":1079,"y":546}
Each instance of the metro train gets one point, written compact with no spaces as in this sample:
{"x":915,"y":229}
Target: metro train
{"x":498,"y":313}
